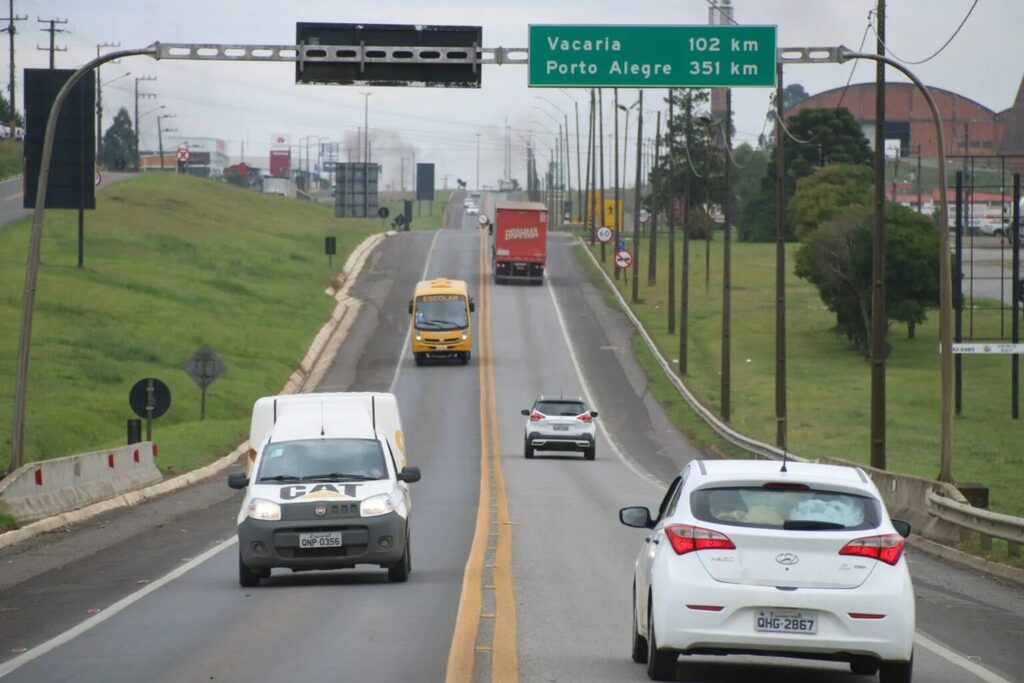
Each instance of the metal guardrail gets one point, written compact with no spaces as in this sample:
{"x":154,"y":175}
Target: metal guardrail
{"x":985,"y":522}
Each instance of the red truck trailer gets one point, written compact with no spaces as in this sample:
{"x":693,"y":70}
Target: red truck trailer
{"x":520,"y":246}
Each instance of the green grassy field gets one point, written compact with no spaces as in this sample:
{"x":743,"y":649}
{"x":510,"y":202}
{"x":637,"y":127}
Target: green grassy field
{"x":172,"y":263}
{"x":829,"y":382}
{"x":11,"y":158}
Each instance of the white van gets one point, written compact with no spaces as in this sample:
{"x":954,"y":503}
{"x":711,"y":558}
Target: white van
{"x":328,"y":487}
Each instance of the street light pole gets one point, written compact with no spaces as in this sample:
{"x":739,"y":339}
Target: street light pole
{"x":137,"y":122}
{"x":366,"y":154}
{"x":840,"y":55}
{"x":160,"y":134}
{"x":99,"y":102}
{"x":478,"y":161}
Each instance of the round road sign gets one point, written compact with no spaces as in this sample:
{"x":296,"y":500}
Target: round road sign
{"x":183,"y":156}
{"x":623,"y":259}
{"x":567,"y":215}
{"x":604,"y":234}
{"x":645,"y":215}
{"x":383,"y":212}
{"x":484,"y":220}
{"x":138,"y":398}
{"x":99,"y":178}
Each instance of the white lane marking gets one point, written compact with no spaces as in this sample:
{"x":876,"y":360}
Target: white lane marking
{"x":408,"y":333}
{"x":13,"y":196}
{"x":925,"y":642}
{"x":958,"y":660}
{"x":125,"y":602}
{"x":626,"y":460}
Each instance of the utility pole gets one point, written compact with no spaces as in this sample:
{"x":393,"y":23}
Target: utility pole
{"x":600,"y":138}
{"x":160,"y":134}
{"x":707,"y":204}
{"x":12,"y":89}
{"x":579,"y":167}
{"x":652,"y":252}
{"x":684,"y":285}
{"x":636,"y":198}
{"x":636,"y":204}
{"x":615,"y":174}
{"x":878,"y":313}
{"x":478,"y":161}
{"x":727,"y":260}
{"x":781,"y":410}
{"x":366,"y":155}
{"x":137,"y":122}
{"x":587,"y":205}
{"x":53,"y":31}
{"x":99,"y":103}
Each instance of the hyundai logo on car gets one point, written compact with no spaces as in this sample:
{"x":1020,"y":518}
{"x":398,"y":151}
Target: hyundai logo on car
{"x":787,"y":559}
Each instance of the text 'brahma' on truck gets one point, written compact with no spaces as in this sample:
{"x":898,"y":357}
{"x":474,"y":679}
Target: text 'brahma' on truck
{"x":520,"y":245}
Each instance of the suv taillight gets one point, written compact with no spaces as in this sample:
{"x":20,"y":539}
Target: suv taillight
{"x":888,"y":547}
{"x":585,"y":417}
{"x":685,"y":539}
{"x":534,"y":416}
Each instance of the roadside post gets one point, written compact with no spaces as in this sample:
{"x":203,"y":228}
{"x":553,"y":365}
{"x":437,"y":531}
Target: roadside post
{"x":149,"y":399}
{"x":331,"y":248}
{"x":204,"y":367}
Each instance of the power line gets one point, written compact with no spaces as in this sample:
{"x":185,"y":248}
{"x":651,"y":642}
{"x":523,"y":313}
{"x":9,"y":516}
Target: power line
{"x":937,"y":52}
{"x":853,"y":68}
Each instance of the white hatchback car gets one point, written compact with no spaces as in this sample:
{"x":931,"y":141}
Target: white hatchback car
{"x":752,"y":557}
{"x":560,"y":424}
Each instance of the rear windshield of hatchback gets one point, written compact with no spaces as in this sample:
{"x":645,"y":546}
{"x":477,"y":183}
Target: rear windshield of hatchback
{"x":785,"y":508}
{"x":560,"y":408}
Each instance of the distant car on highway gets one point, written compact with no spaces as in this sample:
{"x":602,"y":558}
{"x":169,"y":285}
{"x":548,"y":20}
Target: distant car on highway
{"x":748,"y":557}
{"x":472,"y":210}
{"x":560,"y":424}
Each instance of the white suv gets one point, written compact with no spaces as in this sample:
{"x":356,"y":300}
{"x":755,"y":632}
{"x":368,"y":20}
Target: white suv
{"x":755,"y":557}
{"x":559,"y":424}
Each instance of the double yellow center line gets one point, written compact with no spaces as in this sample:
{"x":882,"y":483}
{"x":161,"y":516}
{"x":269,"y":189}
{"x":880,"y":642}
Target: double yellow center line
{"x":485,"y":628}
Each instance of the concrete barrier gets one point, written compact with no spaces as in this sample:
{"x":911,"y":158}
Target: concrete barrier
{"x":48,"y":487}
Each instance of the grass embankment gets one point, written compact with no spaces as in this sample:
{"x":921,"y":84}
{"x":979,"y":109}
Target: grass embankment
{"x":172,"y":263}
{"x":11,"y":158}
{"x":829,"y":383}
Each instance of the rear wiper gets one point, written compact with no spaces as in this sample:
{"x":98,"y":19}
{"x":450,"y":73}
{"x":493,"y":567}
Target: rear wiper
{"x":811,"y":524}
{"x":281,"y":477}
{"x":334,"y":476}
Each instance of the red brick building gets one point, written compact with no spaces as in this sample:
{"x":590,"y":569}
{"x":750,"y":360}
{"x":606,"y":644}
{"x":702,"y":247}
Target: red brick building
{"x":969,"y":127}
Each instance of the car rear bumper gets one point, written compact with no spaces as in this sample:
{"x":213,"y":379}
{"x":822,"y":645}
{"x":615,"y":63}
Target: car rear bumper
{"x":560,"y":442}
{"x":731,"y":630}
{"x":365,"y":540}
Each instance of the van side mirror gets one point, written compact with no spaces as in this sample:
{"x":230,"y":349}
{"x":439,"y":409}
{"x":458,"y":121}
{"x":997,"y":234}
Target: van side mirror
{"x":410,"y":306}
{"x":902,"y":528}
{"x":472,"y":305}
{"x":409,"y":474}
{"x":525,"y":412}
{"x":238,"y":480}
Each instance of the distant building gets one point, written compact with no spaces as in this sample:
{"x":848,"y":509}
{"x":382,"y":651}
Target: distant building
{"x":970,"y":127}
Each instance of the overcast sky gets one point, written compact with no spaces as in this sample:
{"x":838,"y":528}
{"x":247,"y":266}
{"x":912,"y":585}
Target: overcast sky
{"x":251,"y":103}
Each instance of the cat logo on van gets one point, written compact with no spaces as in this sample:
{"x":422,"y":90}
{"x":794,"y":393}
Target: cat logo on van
{"x":293,"y":491}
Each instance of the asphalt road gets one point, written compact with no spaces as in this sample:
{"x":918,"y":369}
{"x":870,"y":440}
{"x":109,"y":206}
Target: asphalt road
{"x":12,"y":195}
{"x":571,"y":560}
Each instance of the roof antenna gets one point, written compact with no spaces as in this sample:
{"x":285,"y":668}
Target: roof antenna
{"x":321,"y":418}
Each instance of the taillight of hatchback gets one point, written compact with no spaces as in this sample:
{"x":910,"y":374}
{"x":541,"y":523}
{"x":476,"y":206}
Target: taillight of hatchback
{"x":887,"y":547}
{"x":535,"y":416}
{"x":585,"y":417}
{"x":686,"y":539}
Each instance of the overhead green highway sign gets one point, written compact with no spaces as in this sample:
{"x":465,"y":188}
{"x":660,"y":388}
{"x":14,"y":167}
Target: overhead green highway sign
{"x":587,"y":56}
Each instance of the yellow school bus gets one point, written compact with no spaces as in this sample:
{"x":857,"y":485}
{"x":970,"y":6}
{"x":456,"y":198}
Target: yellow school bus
{"x":441,"y":325}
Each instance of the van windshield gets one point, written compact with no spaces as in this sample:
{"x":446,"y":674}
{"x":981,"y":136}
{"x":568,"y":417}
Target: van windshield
{"x":322,"y":459}
{"x":441,"y":312}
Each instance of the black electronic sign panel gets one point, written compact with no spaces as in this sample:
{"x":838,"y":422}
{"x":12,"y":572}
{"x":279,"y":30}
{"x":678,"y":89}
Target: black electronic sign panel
{"x":425,"y":182}
{"x":72,"y":180}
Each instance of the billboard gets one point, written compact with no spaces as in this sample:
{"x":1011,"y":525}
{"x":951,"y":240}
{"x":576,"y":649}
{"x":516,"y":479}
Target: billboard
{"x":281,"y":163}
{"x":425,"y":182}
{"x":355,"y":194}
